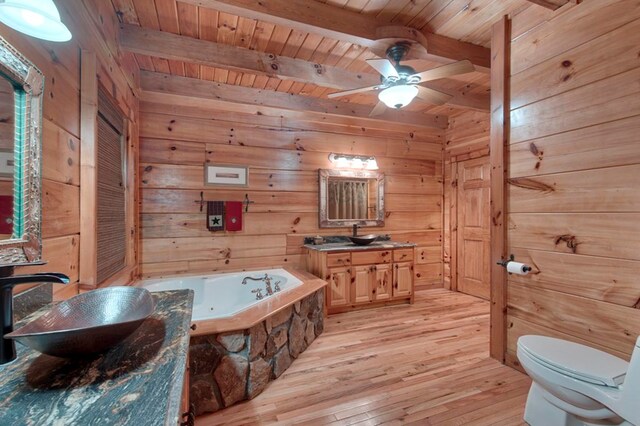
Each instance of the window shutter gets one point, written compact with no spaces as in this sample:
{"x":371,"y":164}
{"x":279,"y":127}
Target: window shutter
{"x":111,"y":195}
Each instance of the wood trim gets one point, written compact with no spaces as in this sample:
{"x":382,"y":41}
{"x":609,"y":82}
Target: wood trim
{"x":170,"y":46}
{"x":219,"y":94}
{"x":498,"y":145}
{"x":88,"y":162}
{"x":346,"y":25}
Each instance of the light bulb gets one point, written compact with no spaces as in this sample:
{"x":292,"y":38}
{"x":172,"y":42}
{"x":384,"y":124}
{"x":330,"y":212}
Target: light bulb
{"x":32,"y":18}
{"x":372,"y":164}
{"x":356,"y":163}
{"x":342,"y":162}
{"x":398,"y":96}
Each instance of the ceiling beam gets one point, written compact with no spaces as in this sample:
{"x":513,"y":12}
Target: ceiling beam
{"x":181,"y":48}
{"x":218,"y":94}
{"x":553,"y":4}
{"x":346,"y":25}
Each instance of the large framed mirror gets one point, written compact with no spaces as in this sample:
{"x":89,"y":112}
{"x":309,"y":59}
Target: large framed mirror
{"x":21,"y":86}
{"x":351,"y":197}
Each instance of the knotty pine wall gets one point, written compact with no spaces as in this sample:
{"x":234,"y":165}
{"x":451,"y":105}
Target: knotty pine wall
{"x":284,"y":154}
{"x":93,"y":24}
{"x":574,"y":174}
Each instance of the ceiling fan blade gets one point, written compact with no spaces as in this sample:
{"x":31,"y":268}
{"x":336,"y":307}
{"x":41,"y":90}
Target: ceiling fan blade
{"x":432,"y":96}
{"x":383,"y":66}
{"x":378,"y":109}
{"x":461,"y":67}
{"x":352,"y":91}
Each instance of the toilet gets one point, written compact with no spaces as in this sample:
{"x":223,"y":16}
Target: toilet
{"x":575,"y":385}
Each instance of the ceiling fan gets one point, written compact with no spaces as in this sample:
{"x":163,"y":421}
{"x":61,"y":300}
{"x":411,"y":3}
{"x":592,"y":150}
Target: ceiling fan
{"x":400,"y":84}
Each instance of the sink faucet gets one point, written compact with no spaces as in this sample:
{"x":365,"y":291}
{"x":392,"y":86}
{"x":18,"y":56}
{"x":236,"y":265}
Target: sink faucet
{"x":7,"y":282}
{"x":355,"y":230}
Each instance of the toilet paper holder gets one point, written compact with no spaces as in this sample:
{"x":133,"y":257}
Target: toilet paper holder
{"x":504,"y":262}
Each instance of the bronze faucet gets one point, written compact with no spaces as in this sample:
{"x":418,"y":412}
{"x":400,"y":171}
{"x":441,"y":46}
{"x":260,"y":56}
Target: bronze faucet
{"x":7,"y":282}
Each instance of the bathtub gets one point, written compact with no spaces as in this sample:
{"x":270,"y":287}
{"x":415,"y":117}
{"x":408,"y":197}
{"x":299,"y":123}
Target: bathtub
{"x":223,"y":295}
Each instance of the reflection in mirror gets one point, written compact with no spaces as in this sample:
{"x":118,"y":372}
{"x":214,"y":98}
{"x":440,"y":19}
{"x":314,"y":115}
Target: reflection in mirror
{"x":21,"y":85}
{"x":7,"y":137}
{"x":351,"y":197}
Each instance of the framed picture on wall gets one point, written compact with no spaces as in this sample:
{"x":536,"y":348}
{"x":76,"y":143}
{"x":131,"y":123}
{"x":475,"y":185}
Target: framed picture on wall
{"x":226,"y":175}
{"x":6,"y":164}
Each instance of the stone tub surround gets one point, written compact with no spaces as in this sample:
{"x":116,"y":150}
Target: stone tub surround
{"x":137,"y":382}
{"x":229,"y":367}
{"x":261,"y":311}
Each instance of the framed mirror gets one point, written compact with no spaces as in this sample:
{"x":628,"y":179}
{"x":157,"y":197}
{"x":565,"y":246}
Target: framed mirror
{"x":351,"y":197}
{"x":21,"y":86}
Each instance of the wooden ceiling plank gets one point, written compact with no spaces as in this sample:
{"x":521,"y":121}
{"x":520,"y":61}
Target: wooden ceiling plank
{"x":188,"y":22}
{"x":179,"y":48}
{"x":225,"y":94}
{"x":550,"y":4}
{"x":343,"y":24}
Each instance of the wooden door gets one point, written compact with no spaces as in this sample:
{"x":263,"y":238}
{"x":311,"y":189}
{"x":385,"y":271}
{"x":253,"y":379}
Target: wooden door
{"x":362,"y":284}
{"x":402,"y":279}
{"x":339,"y":285}
{"x":473,"y":234}
{"x":382,"y":278}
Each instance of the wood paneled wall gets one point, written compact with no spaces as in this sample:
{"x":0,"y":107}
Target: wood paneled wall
{"x":284,"y":154}
{"x":574,"y":173}
{"x":93,"y":25}
{"x":467,"y":137}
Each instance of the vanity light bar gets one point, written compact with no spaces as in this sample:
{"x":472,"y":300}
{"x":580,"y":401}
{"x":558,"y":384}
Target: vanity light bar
{"x":348,"y":161}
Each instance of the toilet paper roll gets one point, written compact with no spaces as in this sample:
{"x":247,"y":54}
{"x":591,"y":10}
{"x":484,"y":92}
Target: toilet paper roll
{"x":518,"y":268}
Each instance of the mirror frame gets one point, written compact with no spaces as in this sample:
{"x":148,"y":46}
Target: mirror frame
{"x":26,"y":248}
{"x":325,"y":174}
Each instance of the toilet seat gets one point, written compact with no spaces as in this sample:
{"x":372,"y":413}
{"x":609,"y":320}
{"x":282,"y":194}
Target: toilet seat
{"x":574,"y":360}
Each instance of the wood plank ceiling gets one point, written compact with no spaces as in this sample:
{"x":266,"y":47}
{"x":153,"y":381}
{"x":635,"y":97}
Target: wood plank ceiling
{"x":466,"y":20}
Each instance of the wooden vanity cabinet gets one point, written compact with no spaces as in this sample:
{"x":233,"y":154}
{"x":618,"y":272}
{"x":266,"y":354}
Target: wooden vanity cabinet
{"x":364,"y":278}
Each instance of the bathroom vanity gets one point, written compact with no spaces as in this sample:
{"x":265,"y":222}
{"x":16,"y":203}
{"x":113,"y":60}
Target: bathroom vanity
{"x":140,"y":381}
{"x":360,"y":277}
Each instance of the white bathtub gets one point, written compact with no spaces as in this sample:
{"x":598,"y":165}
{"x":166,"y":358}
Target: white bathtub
{"x":223,"y":295}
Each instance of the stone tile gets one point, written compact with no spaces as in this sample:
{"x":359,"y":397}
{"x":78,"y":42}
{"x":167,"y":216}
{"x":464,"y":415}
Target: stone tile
{"x":259,"y":376}
{"x":281,"y":361}
{"x":275,"y":341}
{"x":203,"y":397}
{"x":203,"y":358}
{"x":310,"y":332}
{"x":233,"y":342}
{"x":231,"y":377}
{"x":257,"y":340}
{"x":297,"y":343}
{"x":281,"y":317}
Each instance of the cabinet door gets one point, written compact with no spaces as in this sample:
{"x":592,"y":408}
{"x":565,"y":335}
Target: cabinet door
{"x":382,"y":277}
{"x":339,"y":285}
{"x":402,"y":279}
{"x":362,"y":284}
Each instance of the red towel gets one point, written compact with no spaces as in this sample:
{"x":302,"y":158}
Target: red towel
{"x":233,"y":218}
{"x":6,"y":214}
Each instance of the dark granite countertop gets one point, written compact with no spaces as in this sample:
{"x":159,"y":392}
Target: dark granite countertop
{"x":138,"y":382}
{"x":349,"y":246}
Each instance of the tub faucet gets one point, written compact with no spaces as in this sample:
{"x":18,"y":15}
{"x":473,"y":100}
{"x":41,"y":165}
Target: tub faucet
{"x":267,"y":284}
{"x":7,"y":282}
{"x":244,"y":280}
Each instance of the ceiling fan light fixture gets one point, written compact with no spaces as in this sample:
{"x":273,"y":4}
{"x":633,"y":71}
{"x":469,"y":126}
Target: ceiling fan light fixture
{"x":37,"y":18}
{"x":398,"y":96}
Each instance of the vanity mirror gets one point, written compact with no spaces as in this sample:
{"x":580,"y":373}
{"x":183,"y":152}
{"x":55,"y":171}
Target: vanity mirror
{"x":351,"y":197}
{"x":21,"y":85}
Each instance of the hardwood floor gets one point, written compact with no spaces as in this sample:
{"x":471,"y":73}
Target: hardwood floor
{"x":425,"y":364}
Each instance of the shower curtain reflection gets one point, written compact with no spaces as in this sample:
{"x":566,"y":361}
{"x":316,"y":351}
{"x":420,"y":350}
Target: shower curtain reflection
{"x":348,"y":199}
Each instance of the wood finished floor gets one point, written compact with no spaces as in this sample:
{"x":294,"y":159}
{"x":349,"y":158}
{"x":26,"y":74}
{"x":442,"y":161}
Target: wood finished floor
{"x":425,"y":364}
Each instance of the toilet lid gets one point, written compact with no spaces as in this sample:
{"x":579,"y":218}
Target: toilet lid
{"x":573,"y":359}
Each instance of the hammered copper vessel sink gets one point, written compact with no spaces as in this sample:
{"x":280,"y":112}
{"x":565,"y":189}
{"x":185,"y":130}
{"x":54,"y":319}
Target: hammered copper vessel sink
{"x":89,"y":323}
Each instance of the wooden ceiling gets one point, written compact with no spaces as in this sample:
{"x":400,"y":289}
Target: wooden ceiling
{"x":465,"y":20}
